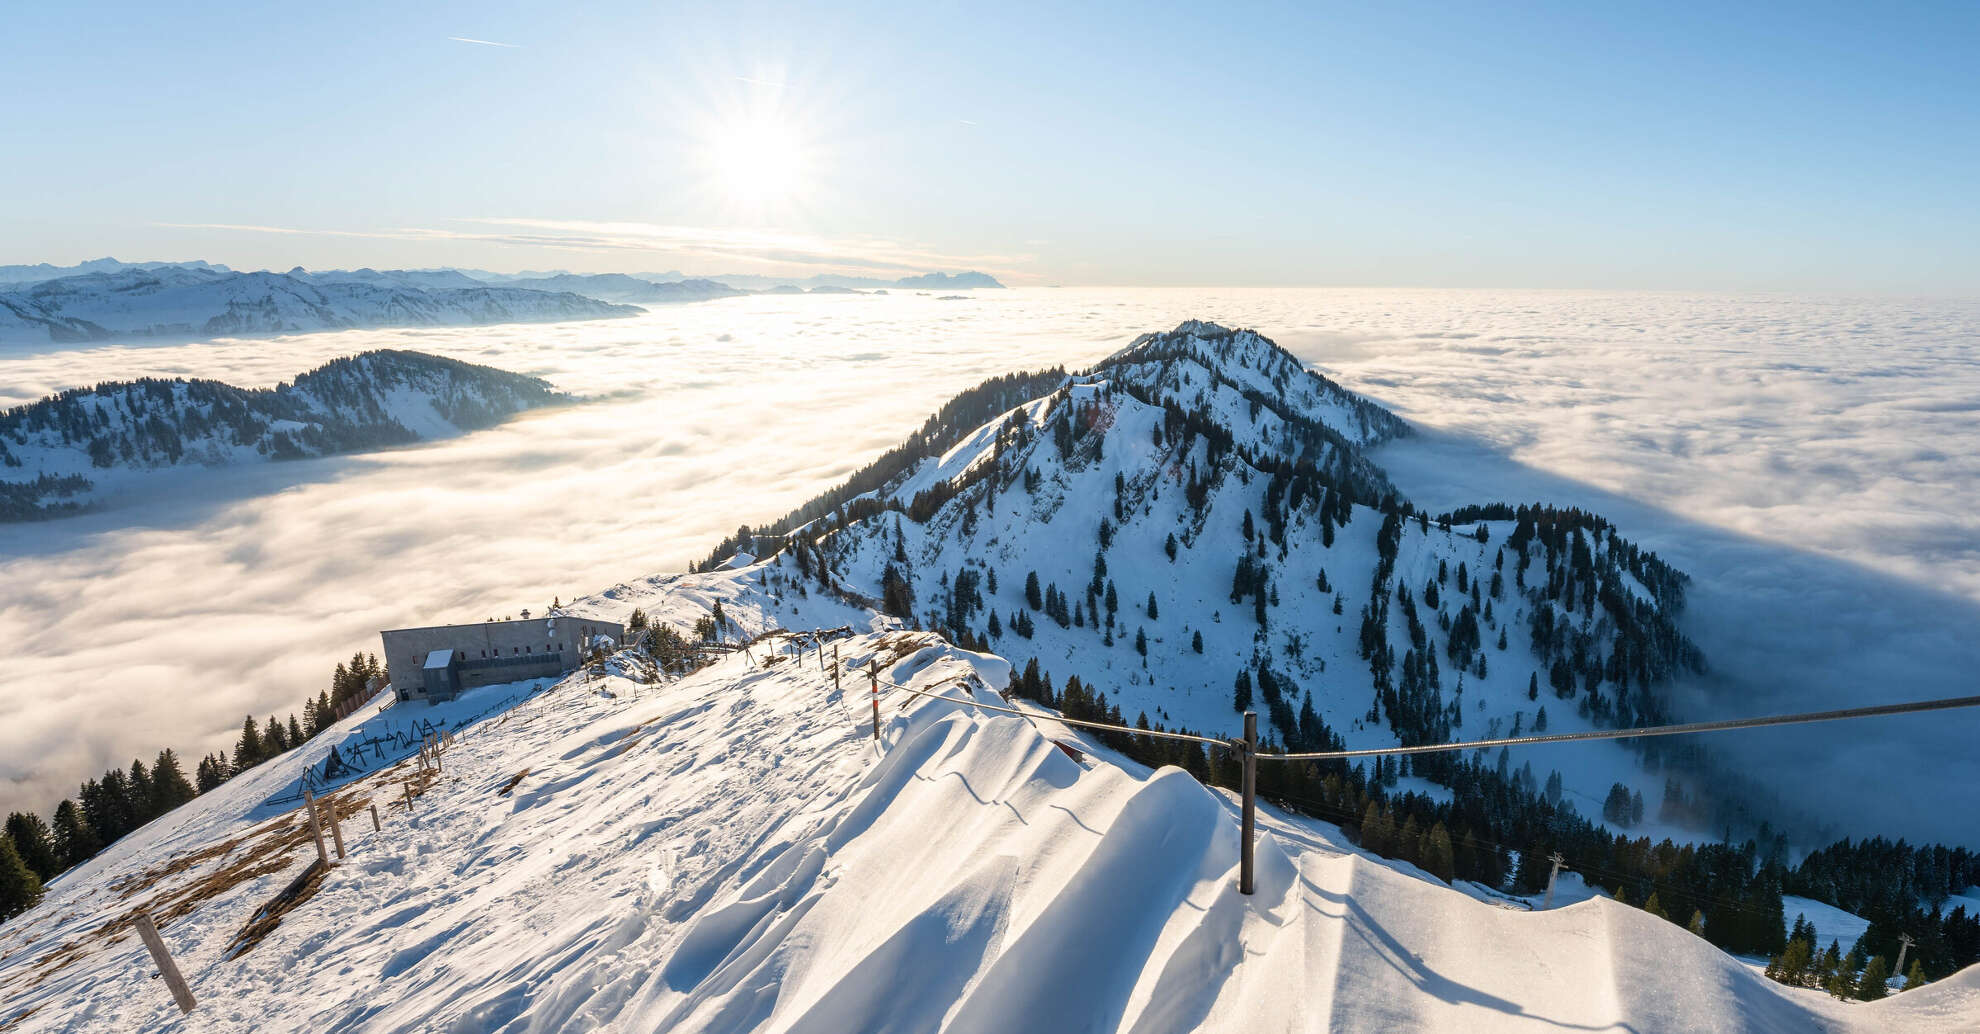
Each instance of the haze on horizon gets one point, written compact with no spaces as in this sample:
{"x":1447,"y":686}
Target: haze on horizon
{"x":1687,"y":147}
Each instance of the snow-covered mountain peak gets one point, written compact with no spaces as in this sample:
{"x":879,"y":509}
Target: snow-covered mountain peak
{"x":1253,"y":367}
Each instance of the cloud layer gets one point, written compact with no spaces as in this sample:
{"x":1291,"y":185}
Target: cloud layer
{"x":1814,"y":463}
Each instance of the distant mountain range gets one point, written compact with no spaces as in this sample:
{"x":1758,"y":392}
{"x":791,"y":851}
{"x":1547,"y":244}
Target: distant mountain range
{"x":618,"y":287}
{"x":104,"y":299}
{"x":52,"y":450}
{"x":194,"y":301}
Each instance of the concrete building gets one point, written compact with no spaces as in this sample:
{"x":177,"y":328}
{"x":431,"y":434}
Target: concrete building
{"x":440,"y":662}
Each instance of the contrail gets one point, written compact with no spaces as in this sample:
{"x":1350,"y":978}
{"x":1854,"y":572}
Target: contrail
{"x":484,"y":42}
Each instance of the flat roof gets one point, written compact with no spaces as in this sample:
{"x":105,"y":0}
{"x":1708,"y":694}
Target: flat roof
{"x":484,"y":624}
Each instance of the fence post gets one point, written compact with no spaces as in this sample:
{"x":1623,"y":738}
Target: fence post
{"x":835,"y":668}
{"x":181,"y":994}
{"x":873,"y":670}
{"x":376,"y":826}
{"x":409,"y":805}
{"x":316,"y":829}
{"x":1247,"y":869}
{"x":336,"y":828}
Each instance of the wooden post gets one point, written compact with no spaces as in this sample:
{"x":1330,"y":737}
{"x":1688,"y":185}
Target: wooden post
{"x":1247,"y":869}
{"x":336,"y":828}
{"x":835,"y":668}
{"x":166,"y":968}
{"x":408,"y":785}
{"x":316,"y":829}
{"x":873,"y":670}
{"x":376,"y":826}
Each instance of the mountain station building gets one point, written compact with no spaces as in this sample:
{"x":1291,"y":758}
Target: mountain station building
{"x":442,"y":661}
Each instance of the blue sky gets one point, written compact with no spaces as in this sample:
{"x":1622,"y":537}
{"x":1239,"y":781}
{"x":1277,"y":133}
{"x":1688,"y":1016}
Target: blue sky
{"x":1712,"y":146}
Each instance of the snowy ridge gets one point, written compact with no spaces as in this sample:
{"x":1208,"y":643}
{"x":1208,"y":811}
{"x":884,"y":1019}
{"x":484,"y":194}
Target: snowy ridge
{"x":1206,"y":469}
{"x":731,"y":851}
{"x":188,"y":301}
{"x":52,"y":451}
{"x":1253,"y":366}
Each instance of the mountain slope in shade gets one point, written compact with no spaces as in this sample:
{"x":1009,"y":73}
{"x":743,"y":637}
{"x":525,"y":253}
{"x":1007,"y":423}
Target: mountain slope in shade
{"x":54,"y":452}
{"x":732,"y":851}
{"x":188,"y":301}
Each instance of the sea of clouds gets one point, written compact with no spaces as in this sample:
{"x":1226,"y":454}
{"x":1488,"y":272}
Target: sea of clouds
{"x":1813,"y":462}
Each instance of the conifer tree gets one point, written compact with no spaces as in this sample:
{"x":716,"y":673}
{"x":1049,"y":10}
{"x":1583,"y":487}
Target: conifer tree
{"x":212,"y":772}
{"x":1409,"y":841}
{"x":248,"y":750}
{"x":1196,"y":641}
{"x":76,"y":841}
{"x":169,"y":786}
{"x":1792,"y":965}
{"x":1153,"y":611}
{"x":20,"y":888}
{"x":1655,"y":907}
{"x":1437,"y":854}
{"x":138,"y":788}
{"x":1871,"y":986}
{"x":1697,"y":924}
{"x":36,"y":844}
{"x":1374,"y":829}
{"x":1915,"y":976}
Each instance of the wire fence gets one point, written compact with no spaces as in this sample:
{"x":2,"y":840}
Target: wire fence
{"x":1245,"y":749}
{"x":1801,"y":718}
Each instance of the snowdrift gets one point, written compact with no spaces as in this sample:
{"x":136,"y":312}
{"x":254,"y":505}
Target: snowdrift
{"x":733,"y":851}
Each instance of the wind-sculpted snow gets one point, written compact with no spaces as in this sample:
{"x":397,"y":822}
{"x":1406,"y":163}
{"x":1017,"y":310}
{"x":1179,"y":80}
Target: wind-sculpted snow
{"x":732,"y":852}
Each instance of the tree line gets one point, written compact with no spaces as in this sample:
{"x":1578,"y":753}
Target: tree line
{"x":34,"y":851}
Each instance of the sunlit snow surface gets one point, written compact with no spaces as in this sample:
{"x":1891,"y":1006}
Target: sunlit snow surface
{"x":732,"y":852}
{"x":1814,"y":463}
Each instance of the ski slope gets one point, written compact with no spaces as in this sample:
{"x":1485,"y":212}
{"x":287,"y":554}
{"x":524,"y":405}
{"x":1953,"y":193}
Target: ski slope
{"x":732,"y":851}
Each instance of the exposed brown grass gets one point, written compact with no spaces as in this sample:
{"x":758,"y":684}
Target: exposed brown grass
{"x":269,"y":916}
{"x":159,"y":891}
{"x":510,"y":786}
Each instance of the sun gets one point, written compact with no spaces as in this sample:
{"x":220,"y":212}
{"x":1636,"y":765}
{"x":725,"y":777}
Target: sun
{"x":759,"y":163}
